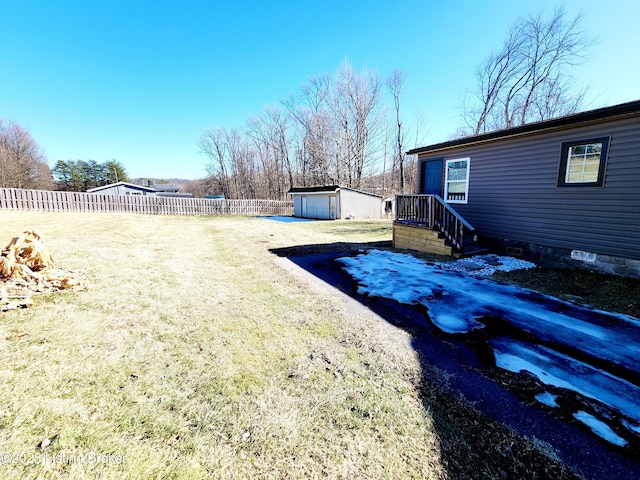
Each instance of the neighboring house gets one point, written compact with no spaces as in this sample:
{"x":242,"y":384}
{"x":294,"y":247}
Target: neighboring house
{"x":123,"y":188}
{"x":152,"y":190}
{"x":166,"y":189}
{"x":330,"y":202}
{"x":563,"y":192}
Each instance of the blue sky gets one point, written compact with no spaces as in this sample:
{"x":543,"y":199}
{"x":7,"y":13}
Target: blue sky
{"x":140,"y":80}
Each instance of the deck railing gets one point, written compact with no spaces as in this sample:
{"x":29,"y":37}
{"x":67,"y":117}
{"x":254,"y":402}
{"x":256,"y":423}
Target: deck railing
{"x":433,"y":212}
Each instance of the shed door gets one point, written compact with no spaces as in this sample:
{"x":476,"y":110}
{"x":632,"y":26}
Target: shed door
{"x":304,"y":206}
{"x":431,"y":176}
{"x":332,"y":207}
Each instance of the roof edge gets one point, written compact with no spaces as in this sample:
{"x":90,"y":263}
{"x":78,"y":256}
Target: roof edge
{"x":620,"y":110}
{"x":126,"y":184}
{"x":327,"y":189}
{"x":315,"y":188}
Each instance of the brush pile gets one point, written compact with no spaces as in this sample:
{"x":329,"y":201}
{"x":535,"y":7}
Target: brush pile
{"x":26,"y":268}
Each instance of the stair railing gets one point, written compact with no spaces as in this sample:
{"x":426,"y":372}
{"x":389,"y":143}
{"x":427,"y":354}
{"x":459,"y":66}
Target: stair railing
{"x":450,"y":223}
{"x":432,"y":211}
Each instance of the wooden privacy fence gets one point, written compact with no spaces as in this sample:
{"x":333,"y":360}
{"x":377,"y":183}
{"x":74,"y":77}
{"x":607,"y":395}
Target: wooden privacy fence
{"x":48,"y":201}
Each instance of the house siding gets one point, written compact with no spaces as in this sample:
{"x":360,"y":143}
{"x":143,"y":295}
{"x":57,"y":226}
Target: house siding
{"x":122,"y":190}
{"x":513,"y":192}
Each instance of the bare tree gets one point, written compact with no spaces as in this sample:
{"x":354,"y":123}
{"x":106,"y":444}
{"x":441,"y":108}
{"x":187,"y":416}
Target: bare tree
{"x":411,"y":169}
{"x":232,"y":163}
{"x":269,"y":133}
{"x":330,"y":133}
{"x":395,"y":84}
{"x":311,"y":112}
{"x":213,"y":145}
{"x":355,"y":103}
{"x":22,"y":162}
{"x":366,"y":99}
{"x":201,"y":187}
{"x":243,"y":165}
{"x":340,"y":120}
{"x":529,"y":78}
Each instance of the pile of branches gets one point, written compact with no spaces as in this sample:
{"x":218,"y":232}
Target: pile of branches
{"x":27,"y":268}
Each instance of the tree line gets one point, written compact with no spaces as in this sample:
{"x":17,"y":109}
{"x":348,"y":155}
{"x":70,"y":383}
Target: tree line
{"x":81,"y":175}
{"x":350,"y":128}
{"x":24,"y":165}
{"x":337,"y":130}
{"x":22,"y":162}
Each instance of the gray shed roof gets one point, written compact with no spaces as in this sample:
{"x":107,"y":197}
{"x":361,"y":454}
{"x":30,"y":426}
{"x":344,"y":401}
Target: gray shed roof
{"x":327,"y":189}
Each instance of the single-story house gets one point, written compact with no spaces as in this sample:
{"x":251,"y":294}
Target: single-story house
{"x":152,"y":190}
{"x":562,"y":192}
{"x":123,"y":188}
{"x":169,"y":190}
{"x":330,"y":202}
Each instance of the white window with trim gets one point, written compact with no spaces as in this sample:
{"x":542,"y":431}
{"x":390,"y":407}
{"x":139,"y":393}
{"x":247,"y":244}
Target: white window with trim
{"x":456,"y":180}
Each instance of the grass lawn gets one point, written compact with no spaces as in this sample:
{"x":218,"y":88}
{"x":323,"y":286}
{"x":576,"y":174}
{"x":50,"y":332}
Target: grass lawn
{"x":195,"y":354}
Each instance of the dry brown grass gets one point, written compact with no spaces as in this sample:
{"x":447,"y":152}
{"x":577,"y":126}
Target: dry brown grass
{"x":196,"y":353}
{"x":603,"y":291}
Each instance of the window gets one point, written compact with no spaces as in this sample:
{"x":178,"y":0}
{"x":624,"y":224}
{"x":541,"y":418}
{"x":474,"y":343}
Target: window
{"x":582,"y":163}
{"x":456,"y":187}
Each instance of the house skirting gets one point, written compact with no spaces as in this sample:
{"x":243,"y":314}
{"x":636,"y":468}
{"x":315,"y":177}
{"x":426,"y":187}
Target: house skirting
{"x":554,"y":257}
{"x":419,"y":238}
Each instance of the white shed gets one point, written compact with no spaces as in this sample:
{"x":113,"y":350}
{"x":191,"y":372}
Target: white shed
{"x":330,"y":202}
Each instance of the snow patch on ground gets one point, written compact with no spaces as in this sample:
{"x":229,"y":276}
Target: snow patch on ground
{"x":558,"y":370}
{"x":548,"y":399}
{"x":459,"y":303}
{"x":487,"y":265}
{"x":277,"y":218}
{"x":633,"y":427}
{"x":600,"y":428}
{"x":459,"y":299}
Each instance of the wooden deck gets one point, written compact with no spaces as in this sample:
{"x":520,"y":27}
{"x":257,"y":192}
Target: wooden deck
{"x":426,"y":223}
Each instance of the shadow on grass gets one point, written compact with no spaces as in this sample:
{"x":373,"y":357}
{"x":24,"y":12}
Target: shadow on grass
{"x":466,"y":406}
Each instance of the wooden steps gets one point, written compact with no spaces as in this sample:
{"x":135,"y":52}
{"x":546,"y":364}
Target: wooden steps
{"x":422,"y":238}
{"x":413,"y":236}
{"x":426,"y":223}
